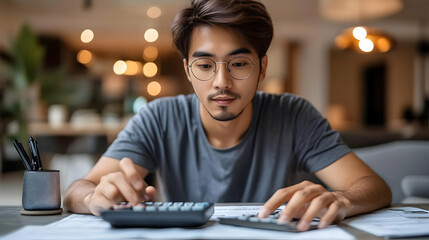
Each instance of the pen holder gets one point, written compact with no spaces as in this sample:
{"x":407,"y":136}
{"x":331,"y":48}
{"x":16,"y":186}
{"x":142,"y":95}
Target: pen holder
{"x":41,"y":193}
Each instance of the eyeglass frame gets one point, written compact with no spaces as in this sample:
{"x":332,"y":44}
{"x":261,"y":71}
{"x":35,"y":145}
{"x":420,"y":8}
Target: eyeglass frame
{"x":216,"y":68}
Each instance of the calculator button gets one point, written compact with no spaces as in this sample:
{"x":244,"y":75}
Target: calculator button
{"x":138,"y":208}
{"x":202,"y":203}
{"x":162,"y":208}
{"x":265,"y":220}
{"x":197,"y":208}
{"x":273,"y":221}
{"x":254,"y":219}
{"x":173,"y":208}
{"x":150,"y":208}
{"x":185,"y":208}
{"x":281,"y":223}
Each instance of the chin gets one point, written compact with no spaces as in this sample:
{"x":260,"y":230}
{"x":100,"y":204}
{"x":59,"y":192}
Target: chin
{"x":225,"y":117}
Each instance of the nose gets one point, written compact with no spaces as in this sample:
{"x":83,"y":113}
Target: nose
{"x":222,"y":79}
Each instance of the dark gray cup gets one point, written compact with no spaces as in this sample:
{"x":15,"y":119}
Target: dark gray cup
{"x":41,"y":190}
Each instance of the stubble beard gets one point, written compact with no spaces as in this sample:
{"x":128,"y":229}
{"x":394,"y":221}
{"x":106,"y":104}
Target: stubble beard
{"x":224,"y":115}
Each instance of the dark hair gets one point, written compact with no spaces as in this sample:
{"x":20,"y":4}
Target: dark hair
{"x":247,"y":18}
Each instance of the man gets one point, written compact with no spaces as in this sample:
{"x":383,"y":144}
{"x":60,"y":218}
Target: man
{"x":227,"y":142}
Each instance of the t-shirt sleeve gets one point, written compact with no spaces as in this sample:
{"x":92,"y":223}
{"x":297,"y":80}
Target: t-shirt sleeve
{"x":317,"y":145}
{"x":139,"y":140}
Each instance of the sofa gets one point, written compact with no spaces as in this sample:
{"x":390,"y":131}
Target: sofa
{"x":404,"y":165}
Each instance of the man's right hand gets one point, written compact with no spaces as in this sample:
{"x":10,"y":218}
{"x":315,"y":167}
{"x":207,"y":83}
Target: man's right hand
{"x":124,"y":185}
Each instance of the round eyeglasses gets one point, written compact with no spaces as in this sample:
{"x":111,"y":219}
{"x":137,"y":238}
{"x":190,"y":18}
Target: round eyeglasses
{"x":204,"y":69}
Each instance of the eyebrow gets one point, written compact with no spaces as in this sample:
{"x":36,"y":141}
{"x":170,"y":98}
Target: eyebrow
{"x":206,"y":54}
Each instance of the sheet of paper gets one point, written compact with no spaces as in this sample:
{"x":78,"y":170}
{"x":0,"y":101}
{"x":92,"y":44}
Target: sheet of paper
{"x":91,"y":227}
{"x":393,"y":222}
{"x":236,"y":211}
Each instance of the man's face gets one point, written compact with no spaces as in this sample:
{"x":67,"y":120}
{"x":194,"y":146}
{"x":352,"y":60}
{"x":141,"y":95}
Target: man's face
{"x":223,"y":97}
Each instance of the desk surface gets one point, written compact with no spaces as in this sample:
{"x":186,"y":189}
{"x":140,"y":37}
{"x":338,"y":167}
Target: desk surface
{"x":68,"y":129}
{"x":11,"y":220}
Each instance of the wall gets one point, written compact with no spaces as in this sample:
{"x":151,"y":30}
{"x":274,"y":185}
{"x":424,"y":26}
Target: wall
{"x":346,"y":81}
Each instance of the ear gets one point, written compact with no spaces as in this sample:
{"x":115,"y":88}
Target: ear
{"x":185,"y":66}
{"x":263,"y":71}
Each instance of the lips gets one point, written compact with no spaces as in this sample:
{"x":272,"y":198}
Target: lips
{"x":223,"y":100}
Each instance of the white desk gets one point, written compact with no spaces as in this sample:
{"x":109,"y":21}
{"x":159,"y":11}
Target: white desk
{"x":11,"y":220}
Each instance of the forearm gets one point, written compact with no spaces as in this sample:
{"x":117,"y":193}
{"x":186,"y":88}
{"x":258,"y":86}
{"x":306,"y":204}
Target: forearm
{"x":366,"y":194}
{"x":77,"y":196}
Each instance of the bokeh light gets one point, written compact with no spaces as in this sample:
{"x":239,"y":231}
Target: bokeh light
{"x":138,"y":104}
{"x":342,"y":42}
{"x":154,"y":12}
{"x":151,"y":35}
{"x":150,"y":53}
{"x":84,"y":56}
{"x":366,"y":45}
{"x":132,"y":67}
{"x":120,"y":67}
{"x":154,"y":88}
{"x":86,"y":36}
{"x":383,"y":44}
{"x":359,"y":33}
{"x":150,"y":69}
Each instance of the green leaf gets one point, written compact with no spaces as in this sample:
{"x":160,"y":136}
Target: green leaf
{"x":28,"y":55}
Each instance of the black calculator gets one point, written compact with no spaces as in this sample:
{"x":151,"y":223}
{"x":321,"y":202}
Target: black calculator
{"x":159,"y":214}
{"x":269,"y":223}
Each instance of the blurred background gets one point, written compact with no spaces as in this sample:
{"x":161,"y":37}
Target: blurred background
{"x":73,"y":72}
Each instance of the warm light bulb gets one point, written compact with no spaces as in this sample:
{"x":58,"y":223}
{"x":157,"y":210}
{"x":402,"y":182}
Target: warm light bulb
{"x":154,"y":88}
{"x":359,"y":33}
{"x":366,"y":45}
{"x":151,"y":35}
{"x":84,"y":56}
{"x":154,"y":12}
{"x":150,"y":69}
{"x":86,"y":36}
{"x":120,"y":67}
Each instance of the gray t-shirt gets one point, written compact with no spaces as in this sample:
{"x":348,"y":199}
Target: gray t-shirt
{"x":286,"y":135}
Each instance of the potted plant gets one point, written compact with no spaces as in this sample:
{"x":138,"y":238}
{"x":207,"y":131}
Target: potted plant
{"x":25,"y":86}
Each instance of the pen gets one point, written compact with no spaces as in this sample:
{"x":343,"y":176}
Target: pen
{"x":27,"y":158}
{"x":38,"y":155}
{"x":33,"y":165}
{"x":22,"y":154}
{"x":35,"y":154}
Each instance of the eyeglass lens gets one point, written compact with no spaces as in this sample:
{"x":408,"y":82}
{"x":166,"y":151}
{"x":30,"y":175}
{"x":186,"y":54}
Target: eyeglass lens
{"x":205,"y":68}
